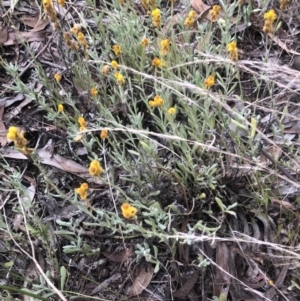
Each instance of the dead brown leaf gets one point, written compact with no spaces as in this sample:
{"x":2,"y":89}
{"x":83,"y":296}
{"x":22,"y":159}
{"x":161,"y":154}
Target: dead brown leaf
{"x":120,"y":256}
{"x":9,"y":115}
{"x":36,"y":22}
{"x":3,"y":139}
{"x":201,"y":8}
{"x":281,"y":44}
{"x":186,"y":288}
{"x":23,"y":37}
{"x":222,"y":279}
{"x":3,"y":35}
{"x":141,"y":281}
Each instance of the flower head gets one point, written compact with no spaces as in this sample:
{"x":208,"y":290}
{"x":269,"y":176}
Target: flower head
{"x":105,"y":69}
{"x":114,"y":64}
{"x":49,"y":10}
{"x":94,"y":92}
{"x":60,"y":108}
{"x":76,"y":29}
{"x":57,"y":77}
{"x":128,"y":211}
{"x":209,"y":82}
{"x":156,"y":17}
{"x":17,"y":136}
{"x":233,"y":51}
{"x":104,"y":134}
{"x":117,"y":50}
{"x":158,"y":63}
{"x":165,"y":46}
{"x":189,"y":21}
{"x":144,"y":42}
{"x":156,"y":102}
{"x":269,"y":18}
{"x":120,"y":78}
{"x":95,"y":168}
{"x":82,"y":123}
{"x":82,"y":40}
{"x":172,"y":111}
{"x":214,"y":12}
{"x":82,"y":190}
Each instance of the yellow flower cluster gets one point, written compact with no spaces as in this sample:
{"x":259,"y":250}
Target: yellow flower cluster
{"x":145,"y":42}
{"x":105,"y":69}
{"x":270,"y":18}
{"x":115,"y":64}
{"x":60,"y":108}
{"x":156,"y":102}
{"x":17,"y":136}
{"x":158,"y":63}
{"x":82,"y":190}
{"x":76,"y":29}
{"x":71,"y":43}
{"x":128,"y":211}
{"x":117,"y":50}
{"x":156,"y":17}
{"x":214,"y":12}
{"x":120,"y":78}
{"x":82,"y":40}
{"x":209,"y":82}
{"x":283,"y":4}
{"x":82,"y":123}
{"x":94,"y":92}
{"x":104,"y":134}
{"x":57,"y":77}
{"x":233,"y":51}
{"x":95,"y":168}
{"x":190,"y":20}
{"x":172,"y":111}
{"x":49,"y":10}
{"x":165,"y":46}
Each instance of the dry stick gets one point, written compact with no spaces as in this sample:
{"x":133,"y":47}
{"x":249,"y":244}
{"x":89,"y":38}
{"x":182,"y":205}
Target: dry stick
{"x":58,"y":292}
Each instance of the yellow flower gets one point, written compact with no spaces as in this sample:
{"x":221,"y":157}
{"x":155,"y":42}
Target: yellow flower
{"x":283,"y":4}
{"x":209,"y":82}
{"x":82,"y":40}
{"x":60,"y":108}
{"x":189,"y":21}
{"x":17,"y":136}
{"x":145,"y":42}
{"x":269,"y":17}
{"x":120,"y":78}
{"x":233,"y":51}
{"x":95,"y":168}
{"x":49,"y":10}
{"x":157,"y":102}
{"x":117,"y":50}
{"x":156,"y":17}
{"x":94,"y":92}
{"x":128,"y":211}
{"x":104,"y":134}
{"x":165,"y":46}
{"x":105,"y":69}
{"x":214,"y":12}
{"x":158,"y":63}
{"x":82,"y":123}
{"x":82,"y":190}
{"x":76,"y":29}
{"x":57,"y":77}
{"x":172,"y":111}
{"x":114,"y":64}
{"x":61,"y":2}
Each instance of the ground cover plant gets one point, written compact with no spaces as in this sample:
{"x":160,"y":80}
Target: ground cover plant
{"x":149,"y":150}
